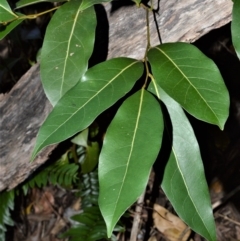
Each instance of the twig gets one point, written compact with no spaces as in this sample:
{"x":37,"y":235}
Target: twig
{"x":137,"y":217}
{"x":226,"y":198}
{"x":229,"y":219}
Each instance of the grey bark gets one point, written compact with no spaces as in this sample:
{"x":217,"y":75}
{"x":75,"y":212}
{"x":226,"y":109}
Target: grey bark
{"x":25,"y":107}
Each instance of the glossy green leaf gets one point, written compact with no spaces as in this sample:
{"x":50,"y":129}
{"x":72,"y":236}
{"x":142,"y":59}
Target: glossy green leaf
{"x":101,"y":86}
{"x":5,"y":30}
{"x":235,"y":26}
{"x":184,"y":181}
{"x":67,"y":47}
{"x":89,"y":3}
{"x":191,"y":79}
{"x":24,"y":3}
{"x":6,"y":12}
{"x":130,"y":147}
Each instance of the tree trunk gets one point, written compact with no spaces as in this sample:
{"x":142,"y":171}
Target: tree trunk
{"x":25,"y":107}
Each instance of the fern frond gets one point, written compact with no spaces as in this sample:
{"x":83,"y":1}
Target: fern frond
{"x":6,"y":204}
{"x":90,"y":189}
{"x":91,"y":226}
{"x":61,"y":172}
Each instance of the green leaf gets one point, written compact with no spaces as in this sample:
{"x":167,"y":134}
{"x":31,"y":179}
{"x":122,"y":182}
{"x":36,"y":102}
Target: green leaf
{"x":101,"y":86}
{"x":89,"y":3}
{"x":81,"y":139}
{"x":235,"y":26}
{"x":191,"y":79}
{"x":130,"y":147}
{"x":91,"y":159}
{"x":137,"y":2}
{"x":6,"y":13}
{"x":5,"y":30}
{"x":67,"y":47}
{"x":184,"y":181}
{"x":24,"y":3}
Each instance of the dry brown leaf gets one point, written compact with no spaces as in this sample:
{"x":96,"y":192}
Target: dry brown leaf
{"x":152,"y":238}
{"x":172,"y":227}
{"x":44,"y":203}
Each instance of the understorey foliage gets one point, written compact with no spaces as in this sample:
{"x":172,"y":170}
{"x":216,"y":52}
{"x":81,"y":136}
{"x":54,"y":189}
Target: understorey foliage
{"x":176,"y":77}
{"x":61,"y":172}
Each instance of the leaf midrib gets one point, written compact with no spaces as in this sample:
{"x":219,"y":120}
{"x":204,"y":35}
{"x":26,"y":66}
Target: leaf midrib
{"x":158,"y":95}
{"x":12,"y":13}
{"x":176,"y":66}
{"x":108,"y":83}
{"x":68,"y":47}
{"x":132,"y":146}
{"x":189,"y":191}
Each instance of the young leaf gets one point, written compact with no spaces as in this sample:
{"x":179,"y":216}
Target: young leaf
{"x":235,"y":26}
{"x":67,"y":47}
{"x":5,"y":30}
{"x":89,"y":3}
{"x":184,"y":181}
{"x":91,"y":159}
{"x":101,"y":86}
{"x":6,"y":13}
{"x":81,"y":139}
{"x":130,"y":147}
{"x":191,"y":79}
{"x":24,"y":3}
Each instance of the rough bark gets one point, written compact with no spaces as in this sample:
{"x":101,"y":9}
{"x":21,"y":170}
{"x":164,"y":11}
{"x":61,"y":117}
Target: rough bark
{"x":25,"y":107}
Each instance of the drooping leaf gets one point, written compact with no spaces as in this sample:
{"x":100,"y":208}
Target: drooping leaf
{"x":192,"y":80}
{"x":5,"y":30}
{"x":89,"y":3}
{"x":24,"y":3}
{"x":235,"y":26}
{"x":101,"y":86}
{"x":184,"y":181}
{"x":67,"y":47}
{"x":130,"y":147}
{"x":6,"y":12}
